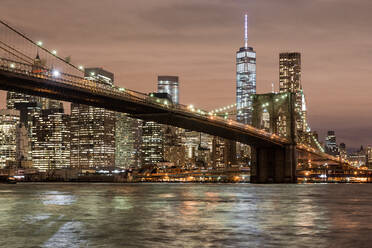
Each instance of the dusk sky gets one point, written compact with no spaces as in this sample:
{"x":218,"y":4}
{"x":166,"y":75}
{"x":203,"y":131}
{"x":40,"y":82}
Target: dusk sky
{"x":197,"y":40}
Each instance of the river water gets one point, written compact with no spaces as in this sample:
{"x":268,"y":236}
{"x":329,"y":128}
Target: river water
{"x":185,"y":215}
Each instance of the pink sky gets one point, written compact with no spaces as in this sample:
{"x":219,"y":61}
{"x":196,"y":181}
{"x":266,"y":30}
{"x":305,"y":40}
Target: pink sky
{"x":197,"y":40}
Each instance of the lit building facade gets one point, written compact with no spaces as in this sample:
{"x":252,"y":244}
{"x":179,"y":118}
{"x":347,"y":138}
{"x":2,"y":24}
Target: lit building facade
{"x":128,"y":139}
{"x":50,"y":142}
{"x":174,"y":151}
{"x":330,"y":145}
{"x":93,"y":129}
{"x":358,"y":158}
{"x":152,"y":143}
{"x":342,"y":151}
{"x":169,"y":85}
{"x":369,"y":157}
{"x":159,"y":142}
{"x":290,"y":81}
{"x":198,"y":149}
{"x":245,"y":80}
{"x":9,"y":121}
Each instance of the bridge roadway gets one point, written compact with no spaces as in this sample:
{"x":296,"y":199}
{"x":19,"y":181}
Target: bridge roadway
{"x":15,"y":76}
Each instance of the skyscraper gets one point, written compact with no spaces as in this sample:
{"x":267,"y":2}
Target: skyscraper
{"x":290,"y":81}
{"x":153,"y":138}
{"x":50,"y":141}
{"x":128,"y":139}
{"x":330,"y":145}
{"x":169,"y":85}
{"x":152,"y":143}
{"x":93,"y":129}
{"x":245,"y":79}
{"x":9,"y":120}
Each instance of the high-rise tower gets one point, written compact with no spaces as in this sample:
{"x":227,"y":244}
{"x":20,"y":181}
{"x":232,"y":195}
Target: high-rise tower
{"x":245,"y":79}
{"x":290,"y":81}
{"x":169,"y":85}
{"x":93,"y":129}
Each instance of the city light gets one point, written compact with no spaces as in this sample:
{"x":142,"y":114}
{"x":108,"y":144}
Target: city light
{"x":81,"y":67}
{"x":12,"y":65}
{"x":56,"y":73}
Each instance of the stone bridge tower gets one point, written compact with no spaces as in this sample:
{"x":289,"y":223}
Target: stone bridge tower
{"x":275,"y":113}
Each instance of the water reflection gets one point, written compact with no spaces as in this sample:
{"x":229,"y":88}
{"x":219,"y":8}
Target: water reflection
{"x":57,"y":198}
{"x":185,"y":215}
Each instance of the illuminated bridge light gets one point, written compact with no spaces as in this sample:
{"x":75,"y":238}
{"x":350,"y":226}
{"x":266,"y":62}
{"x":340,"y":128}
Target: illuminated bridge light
{"x":54,"y":52}
{"x":56,"y":73}
{"x":81,"y":67}
{"x":39,"y":43}
{"x":12,"y":65}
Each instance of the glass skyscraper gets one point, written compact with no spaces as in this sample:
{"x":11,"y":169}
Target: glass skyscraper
{"x":290,"y":81}
{"x":245,"y":80}
{"x":169,"y":85}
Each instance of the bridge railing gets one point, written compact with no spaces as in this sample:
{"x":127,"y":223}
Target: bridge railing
{"x":76,"y":81}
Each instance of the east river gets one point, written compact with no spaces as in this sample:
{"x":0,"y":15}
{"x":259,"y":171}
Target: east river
{"x":185,"y":215}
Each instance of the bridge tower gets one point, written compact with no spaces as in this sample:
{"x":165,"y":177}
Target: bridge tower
{"x":275,"y":113}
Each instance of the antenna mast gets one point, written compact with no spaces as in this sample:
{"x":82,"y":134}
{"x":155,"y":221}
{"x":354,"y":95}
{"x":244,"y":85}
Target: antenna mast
{"x":246,"y":31}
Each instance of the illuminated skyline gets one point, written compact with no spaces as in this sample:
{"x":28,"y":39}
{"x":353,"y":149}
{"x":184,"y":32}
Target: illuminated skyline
{"x":137,"y":44}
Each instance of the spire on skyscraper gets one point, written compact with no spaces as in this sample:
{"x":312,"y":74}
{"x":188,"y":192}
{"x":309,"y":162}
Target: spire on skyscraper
{"x":246,"y":31}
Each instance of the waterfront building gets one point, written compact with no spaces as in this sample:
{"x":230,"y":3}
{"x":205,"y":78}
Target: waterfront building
{"x":128,"y":139}
{"x":358,"y":158}
{"x":369,"y":157}
{"x":9,"y":121}
{"x":330,"y":145}
{"x":50,"y":142}
{"x":290,"y":81}
{"x":93,"y":129}
{"x":245,"y":79}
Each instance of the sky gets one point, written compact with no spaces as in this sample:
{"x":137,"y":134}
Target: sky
{"x":197,"y":41}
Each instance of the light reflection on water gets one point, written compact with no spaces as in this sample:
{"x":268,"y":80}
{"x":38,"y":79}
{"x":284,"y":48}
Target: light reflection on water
{"x":185,"y":215}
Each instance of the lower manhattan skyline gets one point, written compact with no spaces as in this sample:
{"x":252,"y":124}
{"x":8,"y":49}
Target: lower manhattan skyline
{"x":137,"y":41}
{"x":172,"y":123}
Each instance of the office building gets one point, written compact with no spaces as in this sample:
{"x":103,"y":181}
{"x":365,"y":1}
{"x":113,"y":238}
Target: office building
{"x":50,"y":142}
{"x":93,"y":129}
{"x":369,"y":157}
{"x":245,"y":79}
{"x":330,"y":145}
{"x":128,"y":139}
{"x":9,"y":121}
{"x":290,"y":81}
{"x":169,"y":85}
{"x":342,"y":151}
{"x":358,"y":158}
{"x":152,"y":143}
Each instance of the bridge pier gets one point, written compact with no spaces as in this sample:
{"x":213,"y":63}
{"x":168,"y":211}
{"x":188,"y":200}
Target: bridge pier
{"x":274,"y":164}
